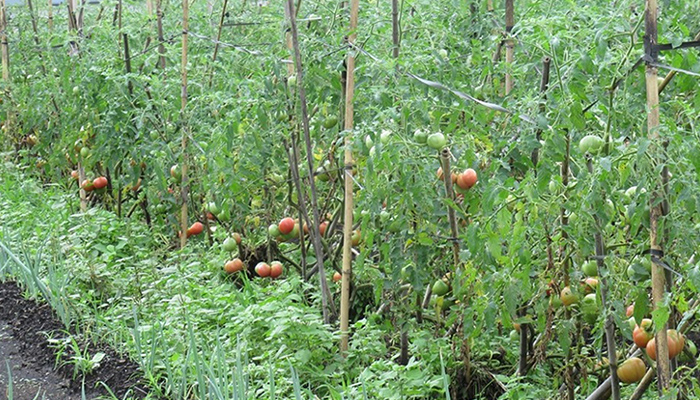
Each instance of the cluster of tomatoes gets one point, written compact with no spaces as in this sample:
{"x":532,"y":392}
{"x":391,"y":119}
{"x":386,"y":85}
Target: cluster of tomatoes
{"x":89,"y":185}
{"x":463,"y":181}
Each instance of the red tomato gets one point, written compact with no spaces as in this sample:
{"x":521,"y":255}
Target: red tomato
{"x":195,"y":229}
{"x":100,"y":182}
{"x":286,"y":226}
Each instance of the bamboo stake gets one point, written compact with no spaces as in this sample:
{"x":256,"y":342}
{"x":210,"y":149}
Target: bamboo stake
{"x":609,"y":321}
{"x":3,"y":42}
{"x":643,"y":385}
{"x":50,"y":15}
{"x":183,"y":121}
{"x":161,"y":45}
{"x":326,"y":300}
{"x":5,"y":55}
{"x":658,"y":283}
{"x":218,"y":39}
{"x":489,"y":5}
{"x":510,"y":46}
{"x":348,"y":181}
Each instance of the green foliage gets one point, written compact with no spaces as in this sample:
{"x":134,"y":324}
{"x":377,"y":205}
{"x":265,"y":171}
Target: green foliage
{"x":197,"y":334}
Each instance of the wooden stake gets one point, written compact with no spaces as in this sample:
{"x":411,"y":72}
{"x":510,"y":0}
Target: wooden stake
{"x":544,"y":84}
{"x":183,"y":122}
{"x":326,"y":301}
{"x":50,"y":15}
{"x":450,"y":195}
{"x":510,"y":46}
{"x":348,"y":181}
{"x":127,"y":64}
{"x":4,"y":44}
{"x":658,"y":281}
{"x":395,"y":27}
{"x":218,"y":39}
{"x":161,"y":40}
{"x":569,"y":372}
{"x":609,"y":321}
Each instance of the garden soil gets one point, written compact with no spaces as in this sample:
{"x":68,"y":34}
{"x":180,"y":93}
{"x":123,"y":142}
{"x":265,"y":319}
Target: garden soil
{"x":25,"y":326}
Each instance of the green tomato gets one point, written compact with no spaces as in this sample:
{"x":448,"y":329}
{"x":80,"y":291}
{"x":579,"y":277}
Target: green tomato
{"x":369,"y":142}
{"x":440,"y":288}
{"x":420,"y":136}
{"x":554,"y":187}
{"x":385,"y":136}
{"x":273,"y":230}
{"x":330,"y":122}
{"x":437,"y":141}
{"x":322,"y":175}
{"x":213,"y":208}
{"x":514,"y":336}
{"x":229,"y":245}
{"x":591,"y":144}
{"x":224,"y":215}
{"x":85,"y":152}
{"x":590,"y":268}
{"x":443,"y":53}
{"x":384,"y":216}
{"x":292,"y":80}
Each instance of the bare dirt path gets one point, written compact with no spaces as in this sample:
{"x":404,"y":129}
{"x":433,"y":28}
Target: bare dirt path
{"x":25,"y":326}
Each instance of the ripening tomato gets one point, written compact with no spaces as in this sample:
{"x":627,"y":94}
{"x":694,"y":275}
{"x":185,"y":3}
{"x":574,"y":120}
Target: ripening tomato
{"x":234,"y":265}
{"x":643,"y":333}
{"x":630,"y":310}
{"x":87,"y":185}
{"x":675,"y":341}
{"x":337,"y":277}
{"x":276,"y":269}
{"x":568,"y":297}
{"x":322,"y":228}
{"x":262,"y":269}
{"x":356,"y":237}
{"x":74,"y":175}
{"x":286,"y":225}
{"x":467,"y":179}
{"x":632,"y":370}
{"x":195,"y":229}
{"x":237,"y":237}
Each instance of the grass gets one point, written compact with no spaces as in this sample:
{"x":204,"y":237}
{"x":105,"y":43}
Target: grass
{"x":194,"y":334}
